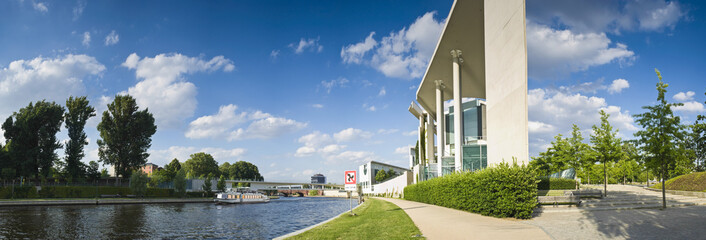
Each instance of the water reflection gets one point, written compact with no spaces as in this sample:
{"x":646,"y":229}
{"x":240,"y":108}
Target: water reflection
{"x":168,"y":221}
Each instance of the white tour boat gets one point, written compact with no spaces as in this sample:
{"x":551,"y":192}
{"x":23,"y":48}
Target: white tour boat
{"x":241,"y":196}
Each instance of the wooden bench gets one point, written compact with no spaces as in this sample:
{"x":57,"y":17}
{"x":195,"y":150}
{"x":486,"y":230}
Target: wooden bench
{"x":585,"y":193}
{"x":556,"y":200}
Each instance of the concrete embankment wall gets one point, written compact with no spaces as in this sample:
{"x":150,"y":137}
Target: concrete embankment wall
{"x":338,"y":193}
{"x":394,"y":186}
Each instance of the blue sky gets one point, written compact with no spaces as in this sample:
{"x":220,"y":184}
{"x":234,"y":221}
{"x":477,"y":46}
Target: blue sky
{"x":320,"y":87}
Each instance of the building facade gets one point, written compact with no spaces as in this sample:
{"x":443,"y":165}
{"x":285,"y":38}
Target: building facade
{"x":149,"y":168}
{"x":318,"y":178}
{"x":368,"y":171}
{"x":481,"y":55}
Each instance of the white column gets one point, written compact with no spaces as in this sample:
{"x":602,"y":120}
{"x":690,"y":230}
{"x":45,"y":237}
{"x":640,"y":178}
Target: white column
{"x":458,"y":110}
{"x":430,"y":138}
{"x":440,"y":124}
{"x":421,"y":138}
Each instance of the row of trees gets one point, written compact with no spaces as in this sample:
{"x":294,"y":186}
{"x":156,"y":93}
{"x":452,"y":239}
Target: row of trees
{"x":664,"y":148}
{"x":203,"y":165}
{"x":31,"y":142}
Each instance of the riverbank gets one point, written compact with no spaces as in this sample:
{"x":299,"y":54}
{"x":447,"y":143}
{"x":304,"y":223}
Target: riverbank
{"x":375,"y":219}
{"x":102,"y":201}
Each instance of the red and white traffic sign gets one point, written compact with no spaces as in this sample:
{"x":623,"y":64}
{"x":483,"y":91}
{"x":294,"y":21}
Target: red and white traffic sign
{"x":350,"y":180}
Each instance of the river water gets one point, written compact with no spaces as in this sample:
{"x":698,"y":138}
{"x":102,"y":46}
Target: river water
{"x":169,"y":221}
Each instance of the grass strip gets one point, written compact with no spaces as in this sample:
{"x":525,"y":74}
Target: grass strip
{"x":375,"y":219}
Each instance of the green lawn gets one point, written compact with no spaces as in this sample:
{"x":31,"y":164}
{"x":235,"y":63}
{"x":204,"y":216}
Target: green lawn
{"x":376,"y":219}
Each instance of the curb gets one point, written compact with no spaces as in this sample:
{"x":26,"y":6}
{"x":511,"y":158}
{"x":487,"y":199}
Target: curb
{"x":300,"y":231}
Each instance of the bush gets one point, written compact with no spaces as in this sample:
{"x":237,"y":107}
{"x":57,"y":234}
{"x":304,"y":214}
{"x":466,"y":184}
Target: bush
{"x":138,"y":183}
{"x":501,"y":191}
{"x":546,"y":183}
{"x":688,"y":182}
{"x":313,"y":192}
{"x":20,"y":192}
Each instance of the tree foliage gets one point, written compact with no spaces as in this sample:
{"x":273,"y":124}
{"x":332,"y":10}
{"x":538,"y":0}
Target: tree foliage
{"x":138,"y":183}
{"x":606,"y":145}
{"x":201,"y":165}
{"x":92,"y":172}
{"x":207,"y":185}
{"x":381,"y":176}
{"x":126,"y":135}
{"x":31,"y":138}
{"x":171,"y":169}
{"x":698,"y":140}
{"x":78,"y":112}
{"x":244,"y":170}
{"x":221,"y":185}
{"x":180,"y":182}
{"x":660,"y":133}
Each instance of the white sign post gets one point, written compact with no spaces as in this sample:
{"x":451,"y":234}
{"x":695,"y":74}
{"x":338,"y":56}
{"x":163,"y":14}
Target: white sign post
{"x":350,"y":180}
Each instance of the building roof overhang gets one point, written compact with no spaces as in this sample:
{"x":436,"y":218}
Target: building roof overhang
{"x":464,"y":30}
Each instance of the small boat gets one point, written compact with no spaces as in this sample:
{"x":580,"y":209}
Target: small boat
{"x":244,"y":195}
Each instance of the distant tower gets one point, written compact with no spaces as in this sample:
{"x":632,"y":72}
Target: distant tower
{"x":318,"y":178}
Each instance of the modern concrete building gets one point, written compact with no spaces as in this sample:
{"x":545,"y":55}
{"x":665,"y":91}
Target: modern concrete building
{"x":368,"y":171}
{"x":481,"y":54}
{"x":318,"y":178}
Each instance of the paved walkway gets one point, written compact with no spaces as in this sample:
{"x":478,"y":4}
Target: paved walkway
{"x":444,"y":223}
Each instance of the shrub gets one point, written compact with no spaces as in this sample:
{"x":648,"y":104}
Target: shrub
{"x":501,"y":191}
{"x":546,"y":183}
{"x":180,"y":183}
{"x":313,"y":192}
{"x":19,"y":192}
{"x":138,"y":183}
{"x":688,"y":182}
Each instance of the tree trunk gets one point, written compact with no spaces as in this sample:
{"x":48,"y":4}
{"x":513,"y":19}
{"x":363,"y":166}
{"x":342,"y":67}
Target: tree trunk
{"x":605,"y":182}
{"x":664,"y":195}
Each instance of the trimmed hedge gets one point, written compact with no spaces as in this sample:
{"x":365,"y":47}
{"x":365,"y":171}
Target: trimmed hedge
{"x":77,"y":192}
{"x":546,"y":183}
{"x":501,"y":191}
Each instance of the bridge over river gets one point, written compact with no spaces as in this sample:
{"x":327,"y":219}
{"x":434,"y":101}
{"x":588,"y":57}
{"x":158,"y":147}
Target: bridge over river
{"x":287,"y":188}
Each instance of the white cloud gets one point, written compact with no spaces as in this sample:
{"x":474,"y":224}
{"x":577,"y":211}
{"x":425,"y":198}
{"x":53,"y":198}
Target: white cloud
{"x":352,"y":134}
{"x":382,"y":92}
{"x":354,"y":53}
{"x":553,"y":112}
{"x":403,"y":150}
{"x":112,"y":38}
{"x":274,"y":54}
{"x":329,"y":85}
{"x":86,"y":39}
{"x":267,"y":128}
{"x":401,"y":54}
{"x":370,"y":108}
{"x":691,"y":106}
{"x":555,"y":53}
{"x":164,"y":90}
{"x":78,"y":9}
{"x":40,"y":6}
{"x":684,"y":96}
{"x":388,"y":131}
{"x":618,"y":85}
{"x":53,"y":79}
{"x":307,"y":44}
{"x":164,"y":156}
{"x":222,"y":125}
{"x":216,"y":126}
{"x":312,"y":143}
{"x":317,"y":105}
{"x":611,"y":16}
{"x":540,"y":127}
{"x":351,"y":158}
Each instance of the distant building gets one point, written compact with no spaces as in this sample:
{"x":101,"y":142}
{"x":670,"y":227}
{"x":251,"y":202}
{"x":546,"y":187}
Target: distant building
{"x":149,"y":168}
{"x":318,"y":178}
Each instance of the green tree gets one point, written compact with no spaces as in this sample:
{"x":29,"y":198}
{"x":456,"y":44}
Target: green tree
{"x":225,"y":169}
{"x":606,"y":145}
{"x":659,"y":135}
{"x":201,"y":165}
{"x":381,"y":176}
{"x":8,"y":174}
{"x":92,"y":172}
{"x":126,"y":135}
{"x":221,"y":185}
{"x":180,"y":182}
{"x":78,"y":112}
{"x":207,"y":185}
{"x":244,"y":170}
{"x":138,"y":183}
{"x":698,"y":138}
{"x":104,"y":173}
{"x":391,"y":173}
{"x":581,"y":155}
{"x":31,"y":136}
{"x":171,"y":169}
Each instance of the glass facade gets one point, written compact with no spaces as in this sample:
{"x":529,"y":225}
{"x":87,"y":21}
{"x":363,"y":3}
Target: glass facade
{"x":472,"y":122}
